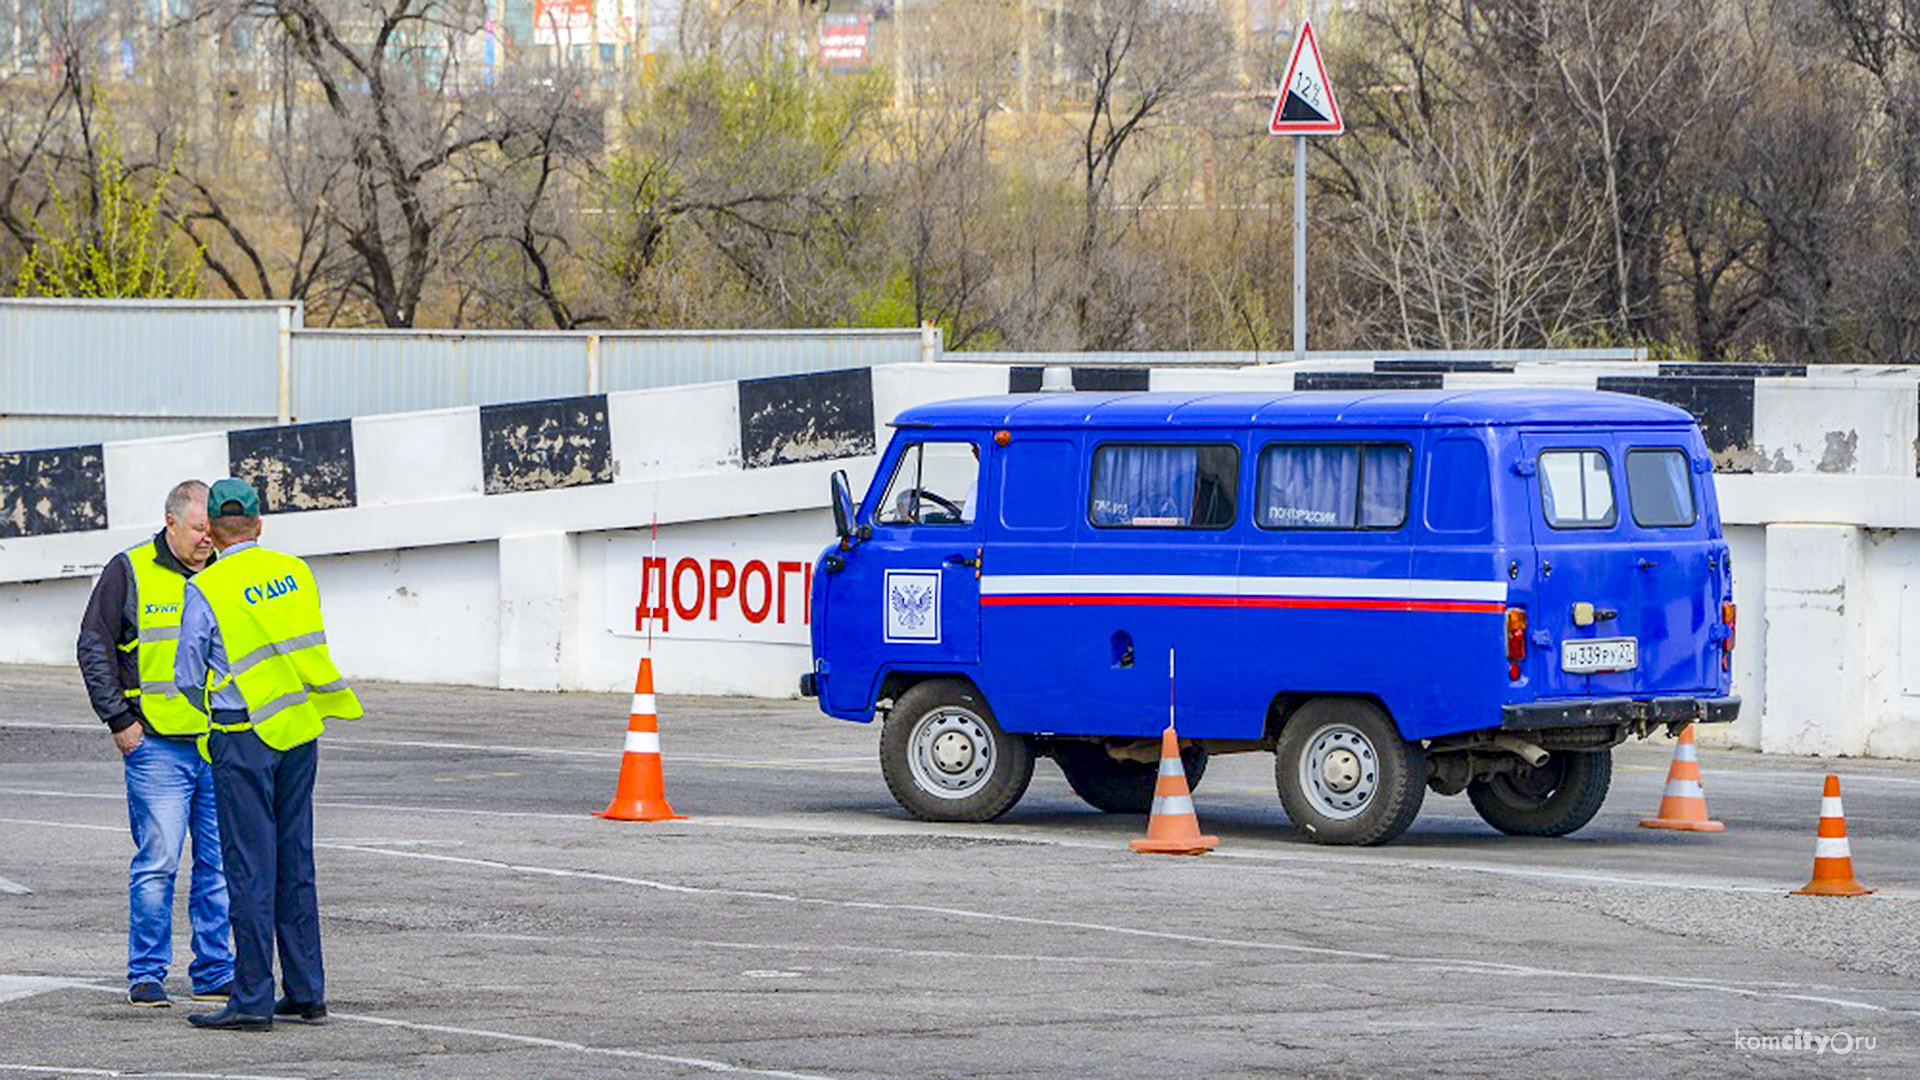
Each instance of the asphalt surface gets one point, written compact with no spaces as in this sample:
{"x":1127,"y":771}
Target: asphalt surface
{"x":479,"y":922}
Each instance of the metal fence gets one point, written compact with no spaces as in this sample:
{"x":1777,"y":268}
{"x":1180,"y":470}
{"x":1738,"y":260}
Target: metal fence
{"x":84,"y":371}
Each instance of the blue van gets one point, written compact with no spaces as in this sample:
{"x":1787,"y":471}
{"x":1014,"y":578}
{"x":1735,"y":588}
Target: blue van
{"x":1480,"y":591}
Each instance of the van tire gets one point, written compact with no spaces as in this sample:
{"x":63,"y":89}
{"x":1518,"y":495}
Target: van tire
{"x":1575,"y":785}
{"x":1119,"y":787}
{"x":1356,"y":743}
{"x":945,"y":757}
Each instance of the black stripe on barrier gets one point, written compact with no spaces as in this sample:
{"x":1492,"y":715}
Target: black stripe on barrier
{"x":543,"y":445}
{"x":296,"y":467}
{"x":817,"y":416}
{"x":1723,"y":406}
{"x":1439,"y":367}
{"x":1366,"y":380}
{"x":1026,"y":380}
{"x":52,"y":491}
{"x":1734,"y":371}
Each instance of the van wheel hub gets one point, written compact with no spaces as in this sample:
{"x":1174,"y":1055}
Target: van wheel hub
{"x":950,"y":753}
{"x":1340,"y":771}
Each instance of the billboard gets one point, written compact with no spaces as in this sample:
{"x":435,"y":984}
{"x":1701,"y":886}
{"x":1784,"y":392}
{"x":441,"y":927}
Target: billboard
{"x":846,"y":41}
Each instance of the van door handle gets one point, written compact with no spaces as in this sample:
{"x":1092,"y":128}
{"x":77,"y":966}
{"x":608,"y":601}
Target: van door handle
{"x":1647,"y":564}
{"x":964,"y":560}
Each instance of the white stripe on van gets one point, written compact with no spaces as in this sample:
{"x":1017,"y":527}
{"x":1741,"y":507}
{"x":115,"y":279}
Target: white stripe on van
{"x":1230,"y":585}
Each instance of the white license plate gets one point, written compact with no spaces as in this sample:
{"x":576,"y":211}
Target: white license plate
{"x":1599,"y":654}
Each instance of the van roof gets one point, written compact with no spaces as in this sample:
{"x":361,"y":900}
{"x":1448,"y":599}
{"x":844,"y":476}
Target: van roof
{"x":1404,"y":408}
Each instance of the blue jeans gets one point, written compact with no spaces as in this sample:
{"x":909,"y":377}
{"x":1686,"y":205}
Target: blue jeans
{"x":170,"y":794}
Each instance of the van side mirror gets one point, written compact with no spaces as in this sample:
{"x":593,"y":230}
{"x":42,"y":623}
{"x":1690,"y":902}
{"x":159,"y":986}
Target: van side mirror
{"x":842,"y":505}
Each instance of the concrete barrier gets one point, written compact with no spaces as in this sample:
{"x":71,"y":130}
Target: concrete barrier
{"x":516,"y":545}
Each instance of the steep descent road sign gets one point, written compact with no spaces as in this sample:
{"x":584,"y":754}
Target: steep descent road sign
{"x":1306,"y":105}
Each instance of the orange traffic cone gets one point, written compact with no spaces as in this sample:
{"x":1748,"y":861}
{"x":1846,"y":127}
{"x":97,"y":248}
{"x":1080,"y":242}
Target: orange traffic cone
{"x":1832,"y":857}
{"x":1173,"y":829}
{"x":641,"y":794}
{"x":1684,"y":805}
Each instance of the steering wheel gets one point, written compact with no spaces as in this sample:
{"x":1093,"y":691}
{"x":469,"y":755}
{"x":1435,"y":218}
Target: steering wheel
{"x":952,"y":508}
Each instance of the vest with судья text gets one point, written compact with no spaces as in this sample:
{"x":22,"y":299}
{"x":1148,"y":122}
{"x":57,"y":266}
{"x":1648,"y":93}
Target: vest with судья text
{"x":268,"y":611}
{"x":159,"y":595}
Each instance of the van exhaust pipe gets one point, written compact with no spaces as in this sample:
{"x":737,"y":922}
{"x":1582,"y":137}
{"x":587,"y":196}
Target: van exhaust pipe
{"x":1530,"y":753}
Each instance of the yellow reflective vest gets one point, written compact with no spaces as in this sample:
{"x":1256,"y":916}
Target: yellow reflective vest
{"x":268,"y":611}
{"x":159,"y":594}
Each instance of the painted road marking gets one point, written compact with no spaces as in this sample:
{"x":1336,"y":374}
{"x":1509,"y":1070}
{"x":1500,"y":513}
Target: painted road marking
{"x":1437,"y":963}
{"x":879,"y":826}
{"x":702,"y":1064}
{"x":1444,"y":964}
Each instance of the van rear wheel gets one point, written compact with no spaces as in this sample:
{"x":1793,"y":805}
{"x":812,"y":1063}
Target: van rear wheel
{"x":1346,"y":776}
{"x":1119,"y":787}
{"x":1553,"y":799}
{"x":945,"y":757}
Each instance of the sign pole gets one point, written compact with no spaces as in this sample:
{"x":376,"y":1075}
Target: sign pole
{"x":1304,"y":107}
{"x":1299,"y":247}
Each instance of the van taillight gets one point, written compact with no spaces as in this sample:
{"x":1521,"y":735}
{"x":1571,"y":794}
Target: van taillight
{"x":1730,"y":616}
{"x":1516,"y":640}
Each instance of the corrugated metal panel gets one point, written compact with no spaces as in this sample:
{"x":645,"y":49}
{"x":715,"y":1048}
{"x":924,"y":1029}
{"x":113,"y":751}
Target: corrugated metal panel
{"x":129,"y":359}
{"x":343,"y":373}
{"x":47,"y":432}
{"x":1282,"y":356}
{"x":644,"y":361}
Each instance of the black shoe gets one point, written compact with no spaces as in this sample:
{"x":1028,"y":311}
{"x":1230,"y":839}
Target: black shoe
{"x":229,"y":1019}
{"x":297,"y":1013}
{"x":148,"y":995}
{"x":219,"y":993}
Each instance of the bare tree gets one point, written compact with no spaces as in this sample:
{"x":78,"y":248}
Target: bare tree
{"x":1138,"y":62}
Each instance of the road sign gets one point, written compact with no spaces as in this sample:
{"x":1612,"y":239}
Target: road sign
{"x":1306,"y":105}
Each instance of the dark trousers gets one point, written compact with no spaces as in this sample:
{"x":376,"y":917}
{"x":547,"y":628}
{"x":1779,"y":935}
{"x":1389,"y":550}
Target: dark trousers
{"x":265,"y":799}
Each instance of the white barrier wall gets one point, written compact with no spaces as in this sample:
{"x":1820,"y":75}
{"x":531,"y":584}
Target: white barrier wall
{"x":511,"y":545}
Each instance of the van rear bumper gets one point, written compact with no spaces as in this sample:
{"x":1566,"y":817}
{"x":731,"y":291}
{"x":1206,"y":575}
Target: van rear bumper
{"x":1595,"y":711}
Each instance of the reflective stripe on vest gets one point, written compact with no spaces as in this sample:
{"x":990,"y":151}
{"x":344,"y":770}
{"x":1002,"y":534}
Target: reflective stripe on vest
{"x":159,"y":594}
{"x":269,"y":615}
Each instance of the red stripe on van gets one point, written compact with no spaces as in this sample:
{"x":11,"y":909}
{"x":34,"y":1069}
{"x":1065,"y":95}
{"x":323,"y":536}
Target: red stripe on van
{"x":1293,"y":602}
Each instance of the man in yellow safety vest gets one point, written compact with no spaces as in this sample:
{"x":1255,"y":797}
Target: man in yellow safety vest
{"x":253,"y":651}
{"x":126,"y":649}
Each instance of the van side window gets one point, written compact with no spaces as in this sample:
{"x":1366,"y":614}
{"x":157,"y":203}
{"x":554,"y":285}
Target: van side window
{"x":934,"y":483}
{"x":1576,"y":489}
{"x":1459,"y":492}
{"x":1334,"y":485}
{"x":1660,"y":488}
{"x":1164,"y":487}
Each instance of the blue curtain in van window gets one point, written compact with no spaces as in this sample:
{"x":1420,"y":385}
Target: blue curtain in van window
{"x":1310,"y":487}
{"x":1383,"y":494}
{"x":1155,"y":483}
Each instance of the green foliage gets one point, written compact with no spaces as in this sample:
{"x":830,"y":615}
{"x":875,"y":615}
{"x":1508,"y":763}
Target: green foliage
{"x":118,"y":244}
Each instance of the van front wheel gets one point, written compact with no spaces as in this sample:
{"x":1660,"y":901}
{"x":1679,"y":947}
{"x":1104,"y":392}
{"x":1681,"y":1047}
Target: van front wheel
{"x":1553,"y":799}
{"x":1346,"y":776}
{"x":945,"y":757}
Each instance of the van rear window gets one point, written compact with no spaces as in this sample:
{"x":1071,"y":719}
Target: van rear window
{"x":1576,"y":489}
{"x":1334,"y":485}
{"x":1660,"y":487}
{"x":1164,"y":487}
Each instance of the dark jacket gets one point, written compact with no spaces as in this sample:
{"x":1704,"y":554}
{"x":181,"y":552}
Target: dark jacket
{"x":109,"y":623}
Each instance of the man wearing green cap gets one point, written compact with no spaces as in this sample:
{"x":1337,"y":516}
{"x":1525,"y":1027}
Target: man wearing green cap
{"x":253,"y":654}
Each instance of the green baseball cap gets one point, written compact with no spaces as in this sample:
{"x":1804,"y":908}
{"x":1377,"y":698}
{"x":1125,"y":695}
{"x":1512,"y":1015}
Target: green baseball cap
{"x":236,"y":493}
